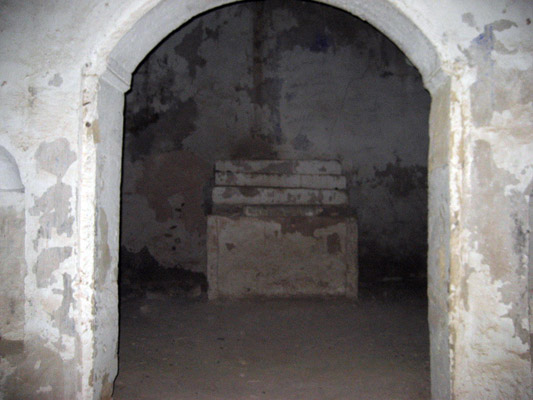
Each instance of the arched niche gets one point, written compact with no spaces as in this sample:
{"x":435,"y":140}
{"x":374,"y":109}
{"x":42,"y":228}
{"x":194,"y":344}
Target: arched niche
{"x":10,"y":177}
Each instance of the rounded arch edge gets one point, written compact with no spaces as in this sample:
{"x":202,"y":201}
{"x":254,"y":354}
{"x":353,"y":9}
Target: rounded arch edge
{"x":152,"y":26}
{"x":402,"y":29}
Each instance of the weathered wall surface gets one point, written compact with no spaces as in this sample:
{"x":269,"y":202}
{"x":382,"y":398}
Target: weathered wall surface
{"x":43,"y":50}
{"x":37,"y":80}
{"x":476,"y":57}
{"x":13,"y":268}
{"x":494,"y":176}
{"x":272,"y":256}
{"x":12,"y":273}
{"x":287,"y":80}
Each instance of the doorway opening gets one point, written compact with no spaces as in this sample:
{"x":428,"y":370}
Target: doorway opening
{"x":274,"y":80}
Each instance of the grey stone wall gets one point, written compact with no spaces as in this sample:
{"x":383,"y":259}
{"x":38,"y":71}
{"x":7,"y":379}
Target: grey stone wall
{"x":287,"y":80}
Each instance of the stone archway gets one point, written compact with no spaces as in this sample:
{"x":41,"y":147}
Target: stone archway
{"x":65,"y":69}
{"x":103,"y":91}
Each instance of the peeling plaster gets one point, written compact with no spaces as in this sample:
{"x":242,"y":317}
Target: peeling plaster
{"x":484,"y":369}
{"x":63,"y":316}
{"x":53,"y":207}
{"x":54,"y":211}
{"x":48,"y":262}
{"x":55,"y":157}
{"x":490,"y":89}
{"x":491,"y":182}
{"x":503,"y":250}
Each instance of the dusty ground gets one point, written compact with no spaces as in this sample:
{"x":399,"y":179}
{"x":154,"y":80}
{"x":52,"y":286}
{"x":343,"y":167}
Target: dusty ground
{"x":173,"y":348}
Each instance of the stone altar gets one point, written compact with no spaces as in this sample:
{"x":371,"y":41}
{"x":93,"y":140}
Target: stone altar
{"x":281,"y":228}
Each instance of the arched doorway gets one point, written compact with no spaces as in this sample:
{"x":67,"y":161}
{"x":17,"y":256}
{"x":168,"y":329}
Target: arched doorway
{"x":296,"y":80}
{"x":102,"y":146}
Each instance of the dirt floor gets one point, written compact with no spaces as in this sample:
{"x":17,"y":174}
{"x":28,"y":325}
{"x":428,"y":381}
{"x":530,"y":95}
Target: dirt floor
{"x":178,"y":348}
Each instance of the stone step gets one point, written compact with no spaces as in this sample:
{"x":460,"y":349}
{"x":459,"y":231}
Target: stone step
{"x":314,"y":181}
{"x":329,"y":167}
{"x":280,"y":210}
{"x":267,"y":196}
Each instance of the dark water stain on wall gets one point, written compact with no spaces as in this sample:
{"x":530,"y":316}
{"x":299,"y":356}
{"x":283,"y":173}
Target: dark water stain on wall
{"x":152,"y":131}
{"x":171,"y":173}
{"x":253,"y":147}
{"x":401,"y":180}
{"x":188,"y":48}
{"x":144,"y":274}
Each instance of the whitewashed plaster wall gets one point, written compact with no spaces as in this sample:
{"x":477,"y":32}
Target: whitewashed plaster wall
{"x":58,"y":121}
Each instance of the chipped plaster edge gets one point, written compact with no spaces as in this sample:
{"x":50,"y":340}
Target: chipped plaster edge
{"x":86,"y":208}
